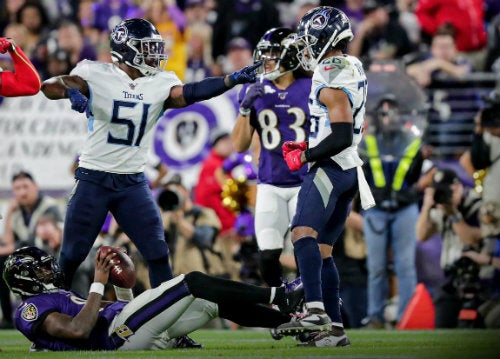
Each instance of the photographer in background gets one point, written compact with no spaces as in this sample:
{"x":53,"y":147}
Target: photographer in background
{"x":485,"y":148}
{"x":489,"y":261}
{"x":190,"y":230}
{"x":452,"y":211}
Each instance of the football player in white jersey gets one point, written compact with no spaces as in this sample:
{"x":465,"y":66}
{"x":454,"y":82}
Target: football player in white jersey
{"x":123,"y":100}
{"x":337,"y":106}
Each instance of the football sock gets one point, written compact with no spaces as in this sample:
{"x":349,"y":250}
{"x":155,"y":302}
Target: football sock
{"x":308,"y":256}
{"x":330,"y":282}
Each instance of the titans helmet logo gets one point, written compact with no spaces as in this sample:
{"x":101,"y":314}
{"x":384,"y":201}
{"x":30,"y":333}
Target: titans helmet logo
{"x":319,"y":21}
{"x":119,"y":34}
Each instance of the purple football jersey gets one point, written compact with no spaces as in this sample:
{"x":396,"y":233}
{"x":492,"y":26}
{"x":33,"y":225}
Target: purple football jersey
{"x":279,"y":116}
{"x":33,"y":311}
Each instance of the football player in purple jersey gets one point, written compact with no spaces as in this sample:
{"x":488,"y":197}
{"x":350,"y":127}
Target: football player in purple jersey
{"x":55,"y":319}
{"x":276,"y":110}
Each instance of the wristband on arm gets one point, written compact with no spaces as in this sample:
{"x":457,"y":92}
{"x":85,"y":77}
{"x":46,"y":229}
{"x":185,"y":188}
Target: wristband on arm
{"x":335,"y":142}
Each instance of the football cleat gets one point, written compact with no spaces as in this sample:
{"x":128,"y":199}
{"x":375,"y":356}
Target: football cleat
{"x":325,"y":339}
{"x":275,"y":335}
{"x":315,"y":320}
{"x":185,"y":342}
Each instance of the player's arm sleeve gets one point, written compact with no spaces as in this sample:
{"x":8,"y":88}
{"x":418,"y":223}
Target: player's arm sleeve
{"x":204,"y":89}
{"x":24,"y":81}
{"x":335,"y":142}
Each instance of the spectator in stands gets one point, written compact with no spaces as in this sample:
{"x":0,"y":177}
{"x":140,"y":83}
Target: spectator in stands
{"x":409,"y":21}
{"x":442,"y":59}
{"x":196,"y":11}
{"x":24,"y":211}
{"x":58,"y":63}
{"x":16,"y":32}
{"x":70,"y":39}
{"x":199,"y":60}
{"x":8,"y":11}
{"x":33,"y":15}
{"x":451,"y":210}
{"x":242,"y":18}
{"x":466,"y":17}
{"x":171,"y":23}
{"x":109,"y":13}
{"x":485,"y":149}
{"x":238,"y":52}
{"x":379,"y":35}
{"x":492,"y":61}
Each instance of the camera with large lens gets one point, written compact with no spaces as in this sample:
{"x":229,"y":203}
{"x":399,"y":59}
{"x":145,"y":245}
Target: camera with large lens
{"x":465,"y":281}
{"x":169,"y":200}
{"x":443,"y":194}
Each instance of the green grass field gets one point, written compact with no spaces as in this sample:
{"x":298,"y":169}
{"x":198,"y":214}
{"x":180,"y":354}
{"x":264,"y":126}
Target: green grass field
{"x":366,"y":344}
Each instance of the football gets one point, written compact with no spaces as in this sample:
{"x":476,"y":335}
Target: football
{"x":121,"y":274}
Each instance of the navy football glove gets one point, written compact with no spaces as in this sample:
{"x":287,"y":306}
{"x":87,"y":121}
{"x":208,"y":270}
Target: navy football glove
{"x":253,"y":92}
{"x":78,"y":100}
{"x":246,"y":74}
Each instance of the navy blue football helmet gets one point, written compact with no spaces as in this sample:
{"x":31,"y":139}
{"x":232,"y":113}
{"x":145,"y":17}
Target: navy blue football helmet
{"x":30,"y":271}
{"x":276,"y":47}
{"x":137,"y":43}
{"x":318,"y":31}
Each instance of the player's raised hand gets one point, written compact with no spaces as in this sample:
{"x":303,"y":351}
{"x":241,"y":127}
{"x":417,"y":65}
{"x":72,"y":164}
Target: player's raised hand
{"x":246,"y":74}
{"x":255,"y":91}
{"x":78,"y":101}
{"x":289,"y":146}
{"x":5,"y":44}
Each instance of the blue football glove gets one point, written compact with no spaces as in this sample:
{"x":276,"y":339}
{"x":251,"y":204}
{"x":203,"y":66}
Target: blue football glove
{"x":78,"y":100}
{"x":253,"y":92}
{"x":246,"y":74}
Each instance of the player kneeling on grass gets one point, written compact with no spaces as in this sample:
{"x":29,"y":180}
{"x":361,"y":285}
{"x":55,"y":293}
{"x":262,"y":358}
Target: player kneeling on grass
{"x":56,"y":319}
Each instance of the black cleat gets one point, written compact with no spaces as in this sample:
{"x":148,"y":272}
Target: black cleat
{"x":185,"y":342}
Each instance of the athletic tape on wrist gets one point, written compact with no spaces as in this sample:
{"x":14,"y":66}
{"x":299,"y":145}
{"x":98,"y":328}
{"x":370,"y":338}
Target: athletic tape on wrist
{"x":97,"y":287}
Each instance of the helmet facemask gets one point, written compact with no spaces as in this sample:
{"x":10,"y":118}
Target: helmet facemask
{"x":150,"y":55}
{"x":137,"y":43}
{"x":277,"y":59}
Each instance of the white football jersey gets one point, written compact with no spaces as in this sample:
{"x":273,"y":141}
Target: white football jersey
{"x":124,"y":113}
{"x":344,"y":73}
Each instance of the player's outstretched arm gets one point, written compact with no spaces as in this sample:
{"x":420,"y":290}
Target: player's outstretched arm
{"x":24,"y":81}
{"x":187,"y":94}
